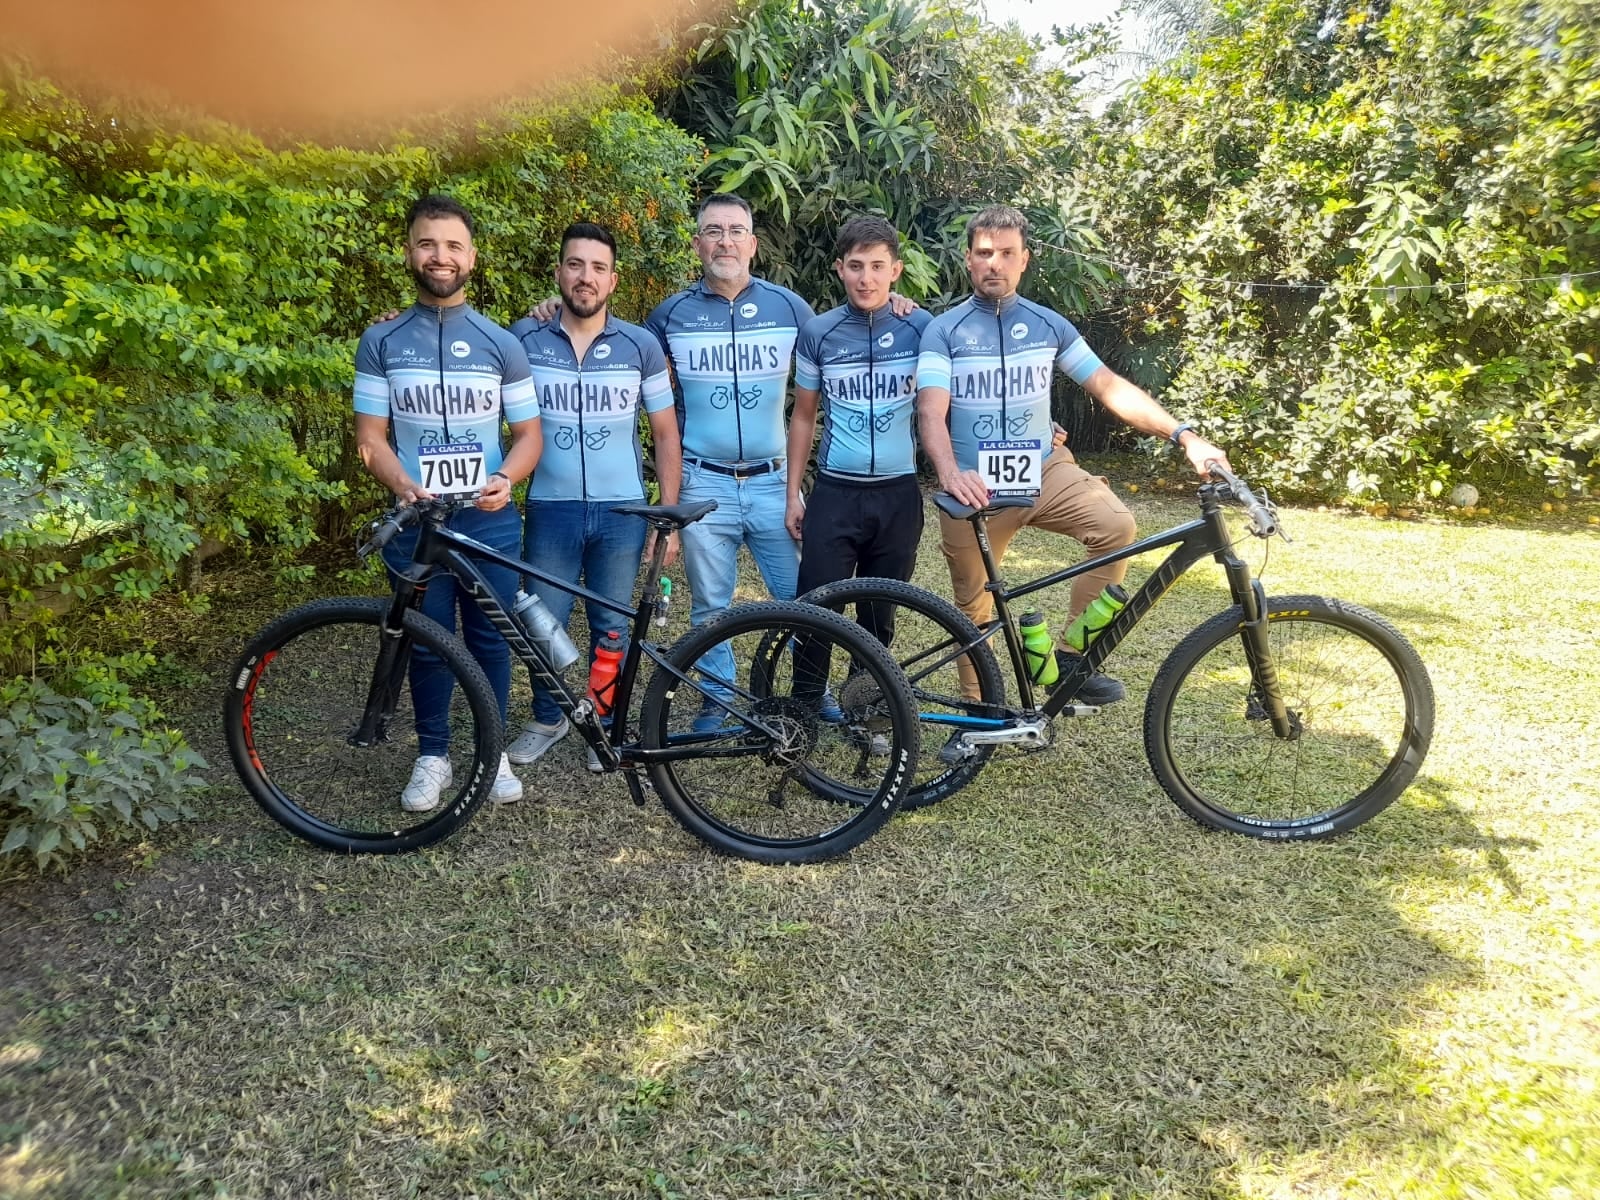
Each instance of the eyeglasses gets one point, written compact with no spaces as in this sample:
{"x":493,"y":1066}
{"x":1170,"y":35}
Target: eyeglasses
{"x":734,"y":233}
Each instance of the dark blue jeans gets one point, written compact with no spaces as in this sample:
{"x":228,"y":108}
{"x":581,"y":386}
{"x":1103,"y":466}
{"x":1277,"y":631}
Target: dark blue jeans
{"x":431,"y":681}
{"x":582,"y":541}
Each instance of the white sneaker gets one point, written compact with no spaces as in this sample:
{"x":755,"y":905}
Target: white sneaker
{"x":507,"y":787}
{"x":535,"y":740}
{"x":592,"y":758}
{"x":429,"y":778}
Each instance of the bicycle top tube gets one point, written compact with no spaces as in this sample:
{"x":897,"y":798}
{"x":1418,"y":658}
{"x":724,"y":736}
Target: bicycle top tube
{"x":431,"y":514}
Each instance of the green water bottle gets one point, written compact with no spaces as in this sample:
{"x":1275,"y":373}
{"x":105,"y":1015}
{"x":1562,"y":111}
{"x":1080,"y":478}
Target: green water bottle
{"x":1088,"y":624}
{"x":1038,"y":648}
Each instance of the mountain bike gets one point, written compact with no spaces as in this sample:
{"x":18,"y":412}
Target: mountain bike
{"x":798,"y":755}
{"x":1294,"y":717}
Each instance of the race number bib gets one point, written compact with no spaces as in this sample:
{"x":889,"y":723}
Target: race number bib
{"x":1012,"y":468}
{"x":452,"y":470}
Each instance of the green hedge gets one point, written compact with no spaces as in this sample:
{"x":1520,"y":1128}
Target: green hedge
{"x":179,"y":315}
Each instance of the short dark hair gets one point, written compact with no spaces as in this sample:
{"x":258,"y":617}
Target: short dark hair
{"x":997,"y":216}
{"x":436,"y":205}
{"x":725,"y":198}
{"x":589,"y":231}
{"x":866,"y":231}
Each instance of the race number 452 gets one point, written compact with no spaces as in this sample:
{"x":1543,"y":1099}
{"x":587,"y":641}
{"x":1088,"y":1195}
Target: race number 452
{"x":1013,"y":468}
{"x":448,"y":469}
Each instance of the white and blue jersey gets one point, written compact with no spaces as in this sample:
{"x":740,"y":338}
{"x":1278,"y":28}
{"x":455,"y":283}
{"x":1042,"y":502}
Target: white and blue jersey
{"x":997,"y":361}
{"x":863,"y":365}
{"x":730,"y":359}
{"x":444,"y":378}
{"x":590,"y":409}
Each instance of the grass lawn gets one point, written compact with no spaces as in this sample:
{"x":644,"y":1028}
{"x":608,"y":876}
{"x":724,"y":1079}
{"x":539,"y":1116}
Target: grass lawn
{"x":1053,"y":984}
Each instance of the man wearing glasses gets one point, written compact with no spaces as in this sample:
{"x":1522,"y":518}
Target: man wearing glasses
{"x":730,"y":339}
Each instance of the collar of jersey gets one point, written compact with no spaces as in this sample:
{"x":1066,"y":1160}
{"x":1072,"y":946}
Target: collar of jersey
{"x":452,"y":312}
{"x":705,"y":289}
{"x":996,"y":306}
{"x":606,"y":330}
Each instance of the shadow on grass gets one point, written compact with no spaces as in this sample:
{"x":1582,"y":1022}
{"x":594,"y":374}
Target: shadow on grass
{"x":1019,"y":992}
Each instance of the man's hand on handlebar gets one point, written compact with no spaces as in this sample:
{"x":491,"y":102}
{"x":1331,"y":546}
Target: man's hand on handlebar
{"x":1202,"y":454}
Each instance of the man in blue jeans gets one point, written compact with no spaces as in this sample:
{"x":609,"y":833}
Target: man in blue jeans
{"x":730,"y":340}
{"x":593,"y":374}
{"x":432,"y":387}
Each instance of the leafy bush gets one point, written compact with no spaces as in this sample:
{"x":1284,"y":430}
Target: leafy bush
{"x":1412,"y":145}
{"x":73,"y":768}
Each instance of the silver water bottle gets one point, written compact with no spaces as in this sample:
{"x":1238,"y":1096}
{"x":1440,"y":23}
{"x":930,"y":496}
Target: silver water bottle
{"x":542,"y":628}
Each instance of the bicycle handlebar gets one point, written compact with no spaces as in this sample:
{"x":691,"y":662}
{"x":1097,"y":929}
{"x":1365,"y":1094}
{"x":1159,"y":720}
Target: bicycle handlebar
{"x":1263,"y":519}
{"x":389,"y":525}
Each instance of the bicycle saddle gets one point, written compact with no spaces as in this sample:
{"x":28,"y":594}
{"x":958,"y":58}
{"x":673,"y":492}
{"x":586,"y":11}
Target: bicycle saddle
{"x":667,"y":516}
{"x":952,"y":507}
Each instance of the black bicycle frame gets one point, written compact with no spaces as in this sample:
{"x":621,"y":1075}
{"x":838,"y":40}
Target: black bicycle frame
{"x":1194,"y":540}
{"x":441,"y":549}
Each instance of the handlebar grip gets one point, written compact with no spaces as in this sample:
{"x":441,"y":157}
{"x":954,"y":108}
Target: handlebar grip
{"x":1263,"y":523}
{"x":387,"y":527}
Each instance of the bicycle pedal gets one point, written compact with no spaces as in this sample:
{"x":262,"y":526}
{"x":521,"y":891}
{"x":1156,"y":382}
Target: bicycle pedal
{"x":1079,"y":710}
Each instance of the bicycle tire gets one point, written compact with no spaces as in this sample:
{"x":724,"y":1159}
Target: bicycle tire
{"x":826,"y":785}
{"x":1358,"y":694}
{"x":296,"y":696}
{"x":919,"y":647}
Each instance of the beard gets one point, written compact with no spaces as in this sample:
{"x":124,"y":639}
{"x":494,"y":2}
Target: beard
{"x":727,"y":269}
{"x":584,"y":306}
{"x":439,"y":289}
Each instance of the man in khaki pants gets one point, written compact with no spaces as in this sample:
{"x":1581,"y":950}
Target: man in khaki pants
{"x":984,"y":375}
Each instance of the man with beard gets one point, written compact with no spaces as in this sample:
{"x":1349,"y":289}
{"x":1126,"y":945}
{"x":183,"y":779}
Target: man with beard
{"x":983,"y":401}
{"x":730,"y":339}
{"x":432,"y":387}
{"x":593,"y":374}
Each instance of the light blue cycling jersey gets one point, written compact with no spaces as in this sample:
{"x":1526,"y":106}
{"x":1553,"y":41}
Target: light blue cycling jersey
{"x":590,"y":410}
{"x":444,"y":378}
{"x":997,"y":361}
{"x":731,"y":362}
{"x":864,"y":367}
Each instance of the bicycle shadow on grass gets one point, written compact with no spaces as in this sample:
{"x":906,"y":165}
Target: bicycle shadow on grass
{"x":1052,"y":984}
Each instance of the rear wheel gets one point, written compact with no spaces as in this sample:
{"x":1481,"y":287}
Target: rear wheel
{"x":1360,"y":711}
{"x":790,"y":733}
{"x":929,"y":633}
{"x":321,"y":729}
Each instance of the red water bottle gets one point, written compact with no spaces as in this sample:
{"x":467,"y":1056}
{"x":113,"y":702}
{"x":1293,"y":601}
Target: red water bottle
{"x":603,"y":672}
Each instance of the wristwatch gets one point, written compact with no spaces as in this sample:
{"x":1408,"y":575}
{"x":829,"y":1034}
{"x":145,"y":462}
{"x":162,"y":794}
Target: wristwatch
{"x":1176,"y":436}
{"x":502,"y":475}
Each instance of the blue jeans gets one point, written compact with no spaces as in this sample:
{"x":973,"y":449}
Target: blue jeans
{"x":749,"y":512}
{"x":582,"y":541}
{"x":431,"y":681}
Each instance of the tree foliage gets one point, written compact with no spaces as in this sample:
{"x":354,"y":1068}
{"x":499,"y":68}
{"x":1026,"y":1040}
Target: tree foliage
{"x":1450,"y":155}
{"x":920,"y":113}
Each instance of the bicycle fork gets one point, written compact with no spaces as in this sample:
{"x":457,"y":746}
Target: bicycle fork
{"x":1265,"y":701}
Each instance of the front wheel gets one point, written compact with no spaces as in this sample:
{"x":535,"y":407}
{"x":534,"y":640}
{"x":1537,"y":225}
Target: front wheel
{"x":1360,"y":719}
{"x":321,"y":729}
{"x":785,"y":733}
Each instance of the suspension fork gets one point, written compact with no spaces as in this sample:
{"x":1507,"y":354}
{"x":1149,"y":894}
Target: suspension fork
{"x":1266,"y":694}
{"x":393,"y":658}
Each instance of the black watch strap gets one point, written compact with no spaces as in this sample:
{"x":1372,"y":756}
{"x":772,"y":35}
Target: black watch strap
{"x":1176,"y":436}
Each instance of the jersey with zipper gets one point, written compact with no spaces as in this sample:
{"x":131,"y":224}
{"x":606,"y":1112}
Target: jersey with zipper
{"x":443,"y":377}
{"x":863,"y":366}
{"x":590,"y":410}
{"x":997,"y":361}
{"x":730,"y":361}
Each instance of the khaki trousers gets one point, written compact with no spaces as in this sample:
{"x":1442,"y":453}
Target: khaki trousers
{"x":1071,"y":501}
